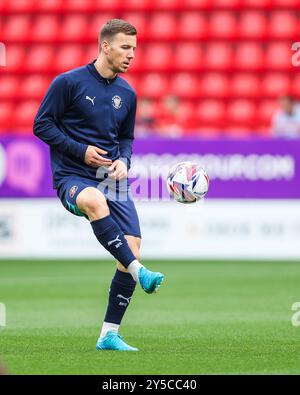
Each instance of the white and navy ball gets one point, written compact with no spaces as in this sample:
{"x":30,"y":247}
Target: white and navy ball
{"x":187,"y":182}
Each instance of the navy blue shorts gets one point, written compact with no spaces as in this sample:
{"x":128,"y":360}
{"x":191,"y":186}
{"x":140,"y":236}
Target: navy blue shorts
{"x":121,"y":205}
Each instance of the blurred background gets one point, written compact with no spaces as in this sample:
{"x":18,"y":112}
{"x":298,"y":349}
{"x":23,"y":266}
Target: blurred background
{"x":217,"y":82}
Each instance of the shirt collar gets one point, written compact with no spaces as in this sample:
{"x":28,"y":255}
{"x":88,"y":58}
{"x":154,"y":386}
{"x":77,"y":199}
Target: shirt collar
{"x":91,"y":67}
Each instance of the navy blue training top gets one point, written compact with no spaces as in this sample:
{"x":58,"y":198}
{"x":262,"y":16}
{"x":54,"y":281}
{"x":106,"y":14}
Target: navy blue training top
{"x":83,"y":108}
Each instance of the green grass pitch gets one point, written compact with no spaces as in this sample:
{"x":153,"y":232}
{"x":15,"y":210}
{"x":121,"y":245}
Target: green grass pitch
{"x":208,"y":318}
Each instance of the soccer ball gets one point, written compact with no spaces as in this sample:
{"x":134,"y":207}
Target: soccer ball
{"x":187,"y":182}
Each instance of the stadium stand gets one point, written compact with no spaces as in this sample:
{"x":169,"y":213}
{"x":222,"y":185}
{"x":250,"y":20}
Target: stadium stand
{"x":224,"y":59}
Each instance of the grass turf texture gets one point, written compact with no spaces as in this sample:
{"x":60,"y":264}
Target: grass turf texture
{"x":208,"y":318}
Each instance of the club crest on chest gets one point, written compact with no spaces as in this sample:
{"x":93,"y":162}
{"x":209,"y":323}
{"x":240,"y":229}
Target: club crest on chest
{"x":116,"y":102}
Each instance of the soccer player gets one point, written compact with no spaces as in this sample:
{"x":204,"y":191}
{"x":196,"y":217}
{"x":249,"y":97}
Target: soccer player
{"x":87,"y":117}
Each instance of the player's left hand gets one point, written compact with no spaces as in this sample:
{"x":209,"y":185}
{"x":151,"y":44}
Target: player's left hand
{"x":118,"y":169}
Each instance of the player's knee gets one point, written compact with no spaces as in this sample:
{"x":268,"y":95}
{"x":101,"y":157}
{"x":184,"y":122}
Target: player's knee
{"x":93,"y":203}
{"x":135,"y":244}
{"x":135,"y":250}
{"x":136,"y":253}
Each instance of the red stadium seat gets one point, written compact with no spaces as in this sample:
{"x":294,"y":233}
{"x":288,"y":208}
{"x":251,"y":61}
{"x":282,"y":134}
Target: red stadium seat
{"x":75,"y":5}
{"x":45,"y":28}
{"x":186,"y":115}
{"x":68,"y":57}
{"x":154,"y":85}
{"x":222,"y":24}
{"x":49,"y":5}
{"x":2,"y":5}
{"x":214,"y":85}
{"x":249,"y":56}
{"x":188,"y":56}
{"x":253,"y":24}
{"x":24,"y":115}
{"x":6,"y":115}
{"x":9,"y":87}
{"x":15,"y":55}
{"x":1,"y":23}
{"x":162,"y":26}
{"x":278,"y":56}
{"x":95,"y":25}
{"x":283,"y":24}
{"x":218,"y":56}
{"x":256,"y":3}
{"x":19,"y":5}
{"x":34,"y":86}
{"x":107,"y":5}
{"x":285,"y":3}
{"x":192,"y":25}
{"x":74,"y":27}
{"x":226,"y":3}
{"x":139,"y":21}
{"x":185,"y":85}
{"x":242,"y":112}
{"x":90,"y":53}
{"x":137,"y":5}
{"x":295,"y":86}
{"x":245,"y":85}
{"x":17,"y":28}
{"x":275,"y":84}
{"x":197,"y":4}
{"x":39,"y":58}
{"x":168,"y":5}
{"x":266,"y":110}
{"x":157,"y":57}
{"x":211,"y":112}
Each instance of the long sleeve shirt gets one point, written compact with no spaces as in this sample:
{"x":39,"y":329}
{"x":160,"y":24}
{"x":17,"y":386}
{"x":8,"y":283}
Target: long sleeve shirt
{"x":83,"y":108}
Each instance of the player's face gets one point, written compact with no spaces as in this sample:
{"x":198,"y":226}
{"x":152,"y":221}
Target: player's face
{"x":121,"y":52}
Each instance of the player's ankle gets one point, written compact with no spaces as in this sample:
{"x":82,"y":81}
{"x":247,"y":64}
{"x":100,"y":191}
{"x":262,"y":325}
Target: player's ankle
{"x":133,"y":268}
{"x":108,"y":327}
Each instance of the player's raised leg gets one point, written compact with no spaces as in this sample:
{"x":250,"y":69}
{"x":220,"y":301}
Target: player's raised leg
{"x":92,"y":202}
{"x":120,"y":295}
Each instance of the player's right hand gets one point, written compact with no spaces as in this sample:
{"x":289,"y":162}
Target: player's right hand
{"x":93,"y":157}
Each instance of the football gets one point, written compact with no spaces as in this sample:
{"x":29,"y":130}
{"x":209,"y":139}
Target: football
{"x":187,"y":182}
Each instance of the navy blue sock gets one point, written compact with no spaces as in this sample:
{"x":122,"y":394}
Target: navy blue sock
{"x":112,"y":238}
{"x":120,"y":293}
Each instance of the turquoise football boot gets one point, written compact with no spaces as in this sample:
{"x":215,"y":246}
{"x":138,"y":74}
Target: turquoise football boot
{"x":150,"y":281}
{"x":113,"y":341}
